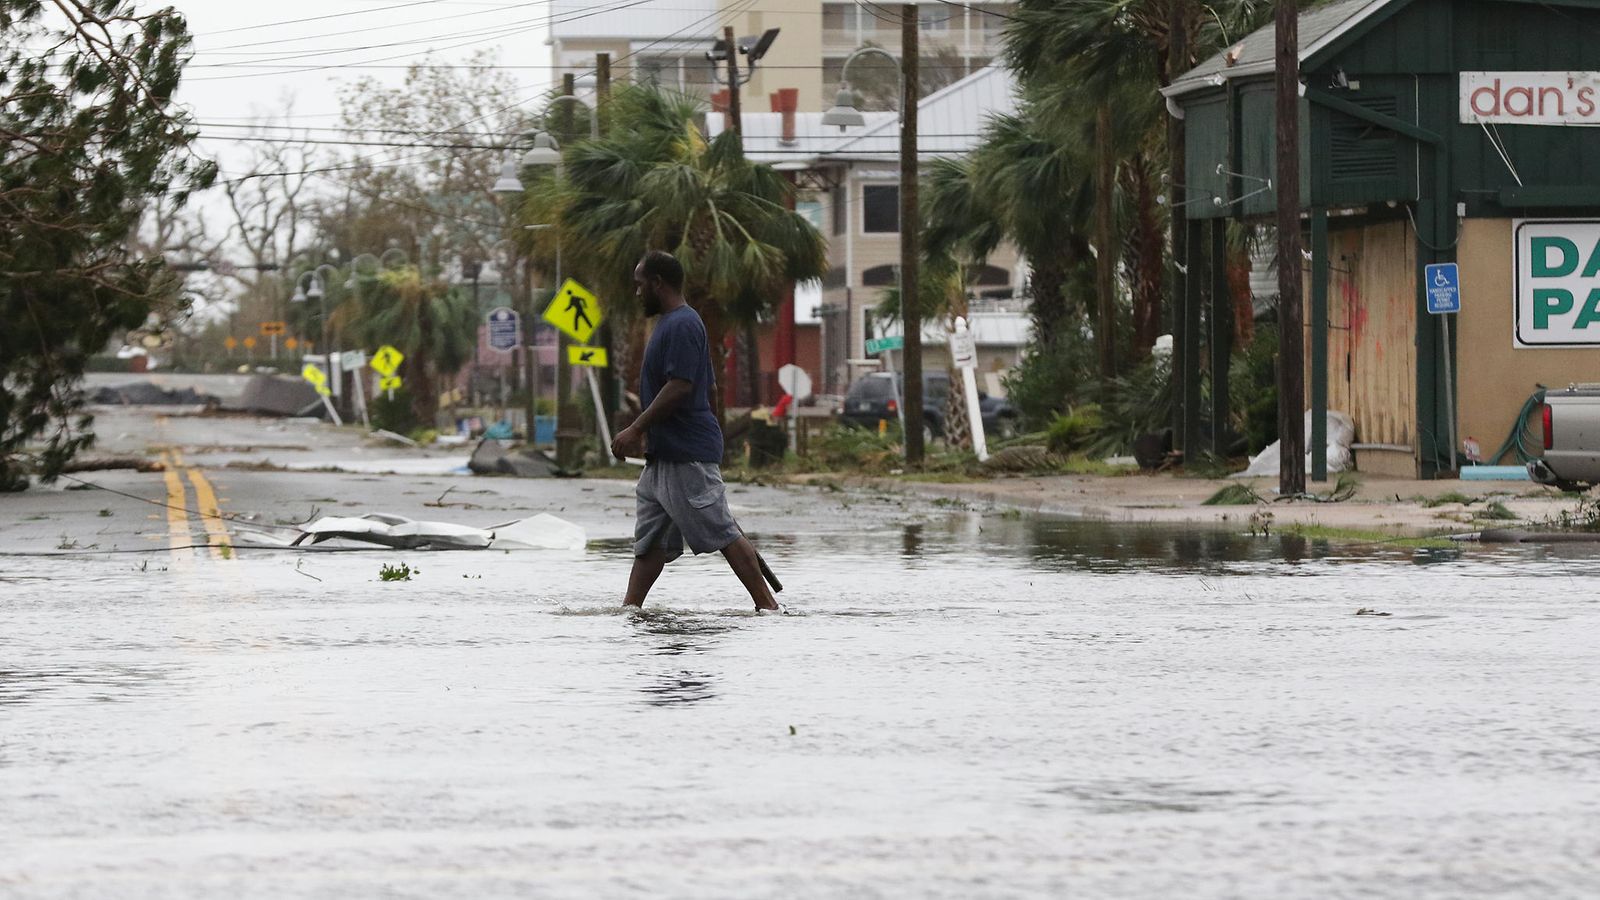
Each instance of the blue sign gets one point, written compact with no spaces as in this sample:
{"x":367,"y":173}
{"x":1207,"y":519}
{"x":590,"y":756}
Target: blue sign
{"x":505,"y":328}
{"x":1443,"y":284}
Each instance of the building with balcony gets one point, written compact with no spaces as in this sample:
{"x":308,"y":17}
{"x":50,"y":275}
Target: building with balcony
{"x":666,"y":41}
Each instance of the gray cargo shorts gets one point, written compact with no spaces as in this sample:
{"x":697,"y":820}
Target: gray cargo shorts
{"x":682,"y":501}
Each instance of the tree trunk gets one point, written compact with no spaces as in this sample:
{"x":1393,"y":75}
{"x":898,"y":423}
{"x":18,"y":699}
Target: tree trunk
{"x":1149,"y":266}
{"x":716,"y":331}
{"x":424,"y":396}
{"x":1105,"y":269}
{"x":1244,"y":309}
{"x":1047,"y":277}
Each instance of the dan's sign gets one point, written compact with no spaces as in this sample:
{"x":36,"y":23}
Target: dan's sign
{"x":1530,"y":98}
{"x":1558,"y":283}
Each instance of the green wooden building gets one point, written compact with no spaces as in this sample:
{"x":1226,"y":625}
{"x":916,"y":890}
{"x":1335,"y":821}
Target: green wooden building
{"x":1432,"y":131}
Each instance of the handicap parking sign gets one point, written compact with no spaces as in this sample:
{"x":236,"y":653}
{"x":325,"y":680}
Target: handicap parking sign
{"x":1443,"y":285}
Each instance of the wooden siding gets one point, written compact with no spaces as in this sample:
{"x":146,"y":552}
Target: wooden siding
{"x":1372,"y":328}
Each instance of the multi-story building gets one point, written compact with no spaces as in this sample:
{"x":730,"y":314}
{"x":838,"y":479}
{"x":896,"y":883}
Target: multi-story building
{"x":667,"y":40}
{"x":849,"y":182}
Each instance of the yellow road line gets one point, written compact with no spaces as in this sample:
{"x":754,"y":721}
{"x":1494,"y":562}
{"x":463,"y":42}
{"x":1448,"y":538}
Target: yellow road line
{"x":177,"y":516}
{"x":211,"y":516}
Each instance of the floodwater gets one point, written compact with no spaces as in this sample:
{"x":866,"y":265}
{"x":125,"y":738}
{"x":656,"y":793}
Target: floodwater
{"x":969,"y":706}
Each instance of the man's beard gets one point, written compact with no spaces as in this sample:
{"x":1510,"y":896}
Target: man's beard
{"x":652,"y":306}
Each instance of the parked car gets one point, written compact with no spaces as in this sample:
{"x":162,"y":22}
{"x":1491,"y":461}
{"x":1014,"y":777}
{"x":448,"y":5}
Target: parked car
{"x":1571,"y":458}
{"x":872,"y":398}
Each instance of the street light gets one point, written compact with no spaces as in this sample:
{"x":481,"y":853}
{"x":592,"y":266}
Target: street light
{"x":845,"y":114}
{"x":545,"y":152}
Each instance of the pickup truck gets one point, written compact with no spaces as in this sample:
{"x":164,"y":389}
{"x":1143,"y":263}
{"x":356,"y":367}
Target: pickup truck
{"x":1571,"y":458}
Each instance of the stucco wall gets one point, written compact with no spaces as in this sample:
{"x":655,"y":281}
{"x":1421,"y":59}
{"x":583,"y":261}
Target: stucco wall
{"x":1494,"y":377}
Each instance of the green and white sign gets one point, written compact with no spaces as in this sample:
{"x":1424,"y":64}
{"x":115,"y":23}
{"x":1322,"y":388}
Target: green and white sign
{"x":1558,"y":283}
{"x":878,"y":345}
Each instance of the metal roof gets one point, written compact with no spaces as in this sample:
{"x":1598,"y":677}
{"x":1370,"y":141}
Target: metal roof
{"x":1255,"y":54}
{"x":950,"y":122}
{"x":763,"y":134}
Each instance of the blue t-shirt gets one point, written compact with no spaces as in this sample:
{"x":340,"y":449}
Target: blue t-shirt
{"x":678,"y":349}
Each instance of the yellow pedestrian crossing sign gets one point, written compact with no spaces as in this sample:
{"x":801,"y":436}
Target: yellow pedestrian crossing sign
{"x":587,"y":356}
{"x":575,"y":311}
{"x":317,"y":377}
{"x":386,"y":360}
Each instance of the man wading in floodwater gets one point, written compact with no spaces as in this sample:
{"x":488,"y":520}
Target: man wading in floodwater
{"x":680,"y":492}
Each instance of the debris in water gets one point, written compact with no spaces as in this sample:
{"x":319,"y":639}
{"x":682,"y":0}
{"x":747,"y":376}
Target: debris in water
{"x":401,"y":572}
{"x":1369,"y":611}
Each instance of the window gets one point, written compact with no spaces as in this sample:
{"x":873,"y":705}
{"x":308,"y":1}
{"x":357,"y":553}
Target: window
{"x":811,"y":211}
{"x":933,"y":17}
{"x":878,"y":276}
{"x":880,"y":208}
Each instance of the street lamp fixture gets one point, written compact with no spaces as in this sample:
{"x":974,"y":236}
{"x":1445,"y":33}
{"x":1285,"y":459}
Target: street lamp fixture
{"x":543,"y":153}
{"x":844,"y":113}
{"x":508,"y":184}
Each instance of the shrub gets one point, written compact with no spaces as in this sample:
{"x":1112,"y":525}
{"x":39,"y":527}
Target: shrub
{"x":396,"y":415}
{"x":1071,"y":431}
{"x":1253,"y":388}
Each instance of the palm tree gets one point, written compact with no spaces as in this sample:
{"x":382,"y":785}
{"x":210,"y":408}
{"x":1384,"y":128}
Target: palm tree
{"x":1112,"y":55}
{"x":656,"y":182}
{"x":973,"y":204}
{"x":433,"y":324}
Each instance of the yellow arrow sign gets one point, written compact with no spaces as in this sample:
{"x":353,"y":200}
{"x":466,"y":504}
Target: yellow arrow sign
{"x":575,"y":310}
{"x":386,"y":360}
{"x":587,"y":356}
{"x":389,"y":383}
{"x":317,"y":377}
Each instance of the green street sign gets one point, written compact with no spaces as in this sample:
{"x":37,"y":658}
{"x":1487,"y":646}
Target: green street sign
{"x":878,"y":345}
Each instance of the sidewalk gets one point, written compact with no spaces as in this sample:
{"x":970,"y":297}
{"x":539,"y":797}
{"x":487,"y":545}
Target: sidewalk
{"x":1380,"y":504}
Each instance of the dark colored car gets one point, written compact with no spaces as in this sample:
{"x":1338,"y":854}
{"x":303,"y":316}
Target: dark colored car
{"x":872,"y":399}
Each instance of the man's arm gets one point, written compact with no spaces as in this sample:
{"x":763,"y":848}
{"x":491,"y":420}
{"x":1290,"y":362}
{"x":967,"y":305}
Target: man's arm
{"x":630,"y":441}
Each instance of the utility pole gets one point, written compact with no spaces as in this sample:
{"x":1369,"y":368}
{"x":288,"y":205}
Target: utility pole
{"x":1291,"y":340}
{"x":750,"y":353}
{"x":1177,"y":62}
{"x":609,"y":395}
{"x":568,"y":430}
{"x":910,"y":225}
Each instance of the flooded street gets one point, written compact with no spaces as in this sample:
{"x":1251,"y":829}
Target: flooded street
{"x":954,"y":704}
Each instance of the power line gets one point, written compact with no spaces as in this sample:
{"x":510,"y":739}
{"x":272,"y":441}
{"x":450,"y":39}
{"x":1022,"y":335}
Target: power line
{"x":367,"y":29}
{"x":356,"y":12}
{"x":497,"y":33}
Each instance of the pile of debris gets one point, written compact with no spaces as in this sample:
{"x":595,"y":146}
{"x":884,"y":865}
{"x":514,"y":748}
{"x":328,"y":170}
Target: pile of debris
{"x":145,"y":393}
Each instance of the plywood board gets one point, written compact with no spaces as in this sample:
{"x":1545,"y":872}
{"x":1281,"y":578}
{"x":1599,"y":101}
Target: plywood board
{"x":1372,"y":354}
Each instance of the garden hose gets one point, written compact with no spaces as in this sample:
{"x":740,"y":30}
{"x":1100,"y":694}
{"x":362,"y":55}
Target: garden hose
{"x":1517,"y":440}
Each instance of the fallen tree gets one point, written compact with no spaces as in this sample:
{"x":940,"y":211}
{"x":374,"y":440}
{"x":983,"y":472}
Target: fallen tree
{"x":89,"y":139}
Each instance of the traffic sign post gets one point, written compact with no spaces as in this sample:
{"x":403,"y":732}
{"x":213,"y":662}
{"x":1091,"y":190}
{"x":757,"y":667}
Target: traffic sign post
{"x":885,"y":345}
{"x":386,"y":362}
{"x":964,"y":353}
{"x":353,"y":361}
{"x":271,"y":331}
{"x":1442,"y":284}
{"x":575,"y":311}
{"x":319,"y":380}
{"x":586,"y":356}
{"x":505,"y":329}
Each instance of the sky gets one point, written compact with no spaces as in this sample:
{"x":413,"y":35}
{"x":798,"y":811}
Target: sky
{"x":252,"y":58}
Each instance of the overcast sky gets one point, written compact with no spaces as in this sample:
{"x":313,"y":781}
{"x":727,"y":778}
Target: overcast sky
{"x":247,"y":54}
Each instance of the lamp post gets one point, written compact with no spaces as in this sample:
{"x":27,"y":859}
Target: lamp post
{"x":545,"y":152}
{"x":844,"y":114}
